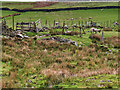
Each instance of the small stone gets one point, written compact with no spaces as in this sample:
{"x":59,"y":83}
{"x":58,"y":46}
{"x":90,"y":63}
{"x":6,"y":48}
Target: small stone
{"x":79,"y":45}
{"x":105,"y":52}
{"x":45,"y":50}
{"x":110,"y":51}
{"x":26,"y":37}
{"x":108,"y":80}
{"x":75,"y":44}
{"x":101,"y":81}
{"x":19,"y":35}
{"x":100,"y":85}
{"x":29,"y":81}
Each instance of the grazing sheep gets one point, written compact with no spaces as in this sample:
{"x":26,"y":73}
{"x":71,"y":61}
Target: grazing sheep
{"x":66,"y":27}
{"x":95,"y":30}
{"x":102,"y":9}
{"x":74,"y":25}
{"x":90,"y":17}
{"x":116,"y":23}
{"x":56,"y":23}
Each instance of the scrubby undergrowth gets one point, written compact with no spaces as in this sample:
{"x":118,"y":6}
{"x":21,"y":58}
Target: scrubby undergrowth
{"x":41,"y":63}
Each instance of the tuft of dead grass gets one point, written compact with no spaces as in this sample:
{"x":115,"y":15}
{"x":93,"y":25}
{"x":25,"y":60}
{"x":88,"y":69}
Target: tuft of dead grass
{"x":95,"y":36}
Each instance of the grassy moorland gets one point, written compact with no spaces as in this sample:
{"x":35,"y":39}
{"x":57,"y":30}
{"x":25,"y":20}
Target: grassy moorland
{"x":41,"y":63}
{"x":37,"y":63}
{"x":35,"y":5}
{"x":80,"y":4}
{"x":17,"y":5}
{"x":78,"y":15}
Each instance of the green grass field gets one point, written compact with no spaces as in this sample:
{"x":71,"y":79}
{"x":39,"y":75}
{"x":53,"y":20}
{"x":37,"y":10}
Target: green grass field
{"x":17,"y":5}
{"x":80,"y":4}
{"x":78,"y":15}
{"x":22,"y":5}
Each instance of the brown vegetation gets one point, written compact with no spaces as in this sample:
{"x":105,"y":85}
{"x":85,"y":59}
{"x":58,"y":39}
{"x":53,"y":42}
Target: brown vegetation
{"x":55,"y":60}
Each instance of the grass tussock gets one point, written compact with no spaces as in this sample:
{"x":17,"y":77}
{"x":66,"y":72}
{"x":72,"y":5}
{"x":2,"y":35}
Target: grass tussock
{"x":54,"y":61}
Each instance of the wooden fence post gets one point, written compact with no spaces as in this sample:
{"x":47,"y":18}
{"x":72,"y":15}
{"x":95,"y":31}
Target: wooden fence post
{"x":80,"y":29}
{"x":104,"y":24}
{"x":13,"y":21}
{"x":82,"y":23}
{"x":4,"y":21}
{"x":49,"y":25}
{"x":54,"y":23}
{"x":46,"y":23}
{"x":107,"y":24}
{"x":72,"y":23}
{"x":102,"y":35}
{"x":85,"y":23}
{"x":63,"y":27}
{"x":110,"y":24}
{"x":67,"y":25}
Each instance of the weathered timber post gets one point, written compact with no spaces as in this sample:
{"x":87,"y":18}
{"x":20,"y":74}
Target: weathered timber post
{"x":30,"y":24}
{"x":91,"y":23}
{"x":104,"y":24}
{"x":72,"y":23}
{"x":22,"y":26}
{"x":102,"y":35}
{"x":63,"y":27}
{"x":49,"y":25}
{"x":110,"y":24}
{"x":82,"y":23}
{"x":73,"y":27}
{"x":4,"y":21}
{"x":34,"y":25}
{"x":80,"y":29}
{"x":46,"y":23}
{"x":67,"y":24}
{"x":54,"y":23}
{"x":85,"y":23}
{"x":101,"y":24}
{"x":107,"y":24}
{"x":13,"y":21}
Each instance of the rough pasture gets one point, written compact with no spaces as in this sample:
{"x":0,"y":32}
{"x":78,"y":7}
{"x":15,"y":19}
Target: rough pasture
{"x":57,"y":65}
{"x":53,"y":59}
{"x":97,"y":15}
{"x":52,"y":5}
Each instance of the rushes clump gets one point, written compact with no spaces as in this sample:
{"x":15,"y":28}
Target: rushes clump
{"x":55,"y":61}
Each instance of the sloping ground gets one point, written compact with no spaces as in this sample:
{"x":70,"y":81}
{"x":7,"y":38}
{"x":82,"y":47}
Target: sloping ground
{"x":78,"y":15}
{"x":26,"y":5}
{"x":80,"y":4}
{"x":41,"y":63}
{"x":43,"y":4}
{"x":54,"y":5}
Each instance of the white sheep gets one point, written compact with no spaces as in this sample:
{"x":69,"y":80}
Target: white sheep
{"x":95,"y":30}
{"x":56,"y":23}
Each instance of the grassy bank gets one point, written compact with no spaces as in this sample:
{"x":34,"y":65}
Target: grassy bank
{"x":41,"y":63}
{"x":23,"y":5}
